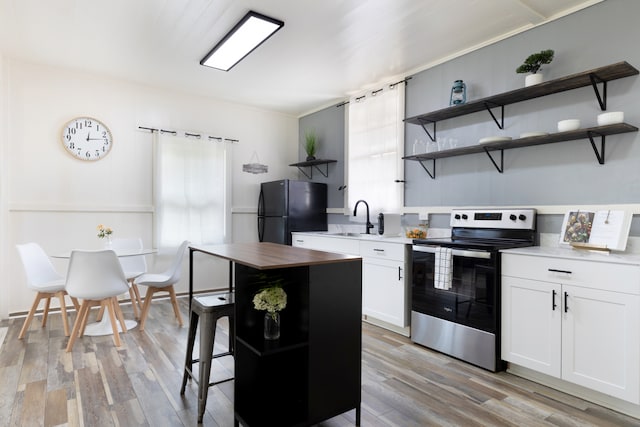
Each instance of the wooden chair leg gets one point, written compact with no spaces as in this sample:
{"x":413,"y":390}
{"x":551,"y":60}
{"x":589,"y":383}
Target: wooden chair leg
{"x":45,"y":314}
{"x":136,"y":291}
{"x":82,"y":314}
{"x":134,"y":305}
{"x":85,"y":316}
{"x":174,"y":302}
{"x":32,"y":313}
{"x":112,"y":317}
{"x":74,"y":300}
{"x":63,"y":312}
{"x":147,"y":303}
{"x":100,"y":313}
{"x":120,"y":316}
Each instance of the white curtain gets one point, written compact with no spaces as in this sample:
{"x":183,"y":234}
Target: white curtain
{"x":191,"y":191}
{"x":375,"y":150}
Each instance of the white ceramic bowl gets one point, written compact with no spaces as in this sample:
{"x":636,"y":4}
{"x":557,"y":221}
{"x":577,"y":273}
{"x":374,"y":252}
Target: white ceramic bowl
{"x":610,"y":118}
{"x":567,"y":125}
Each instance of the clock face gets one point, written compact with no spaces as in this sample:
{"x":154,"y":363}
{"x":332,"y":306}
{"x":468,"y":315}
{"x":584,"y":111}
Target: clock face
{"x":87,"y":138}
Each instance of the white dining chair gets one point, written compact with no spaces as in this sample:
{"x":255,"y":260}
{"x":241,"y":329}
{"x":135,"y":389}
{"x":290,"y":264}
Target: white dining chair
{"x":42,"y":278}
{"x":133,"y":266}
{"x":97,"y":278}
{"x":163,"y":282}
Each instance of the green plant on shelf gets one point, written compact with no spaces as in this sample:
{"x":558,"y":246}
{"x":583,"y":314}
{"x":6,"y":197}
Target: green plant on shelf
{"x":534,"y":61}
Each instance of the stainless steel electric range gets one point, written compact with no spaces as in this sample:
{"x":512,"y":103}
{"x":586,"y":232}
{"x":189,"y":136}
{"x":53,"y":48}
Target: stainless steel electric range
{"x":455,"y":306}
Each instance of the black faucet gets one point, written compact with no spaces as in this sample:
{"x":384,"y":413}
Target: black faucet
{"x":355,"y":210}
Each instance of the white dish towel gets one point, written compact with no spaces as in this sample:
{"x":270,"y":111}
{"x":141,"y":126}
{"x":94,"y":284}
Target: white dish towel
{"x":443,"y":272}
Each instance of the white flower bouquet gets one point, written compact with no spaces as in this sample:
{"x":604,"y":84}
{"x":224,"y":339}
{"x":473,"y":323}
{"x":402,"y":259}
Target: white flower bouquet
{"x":272,"y":299}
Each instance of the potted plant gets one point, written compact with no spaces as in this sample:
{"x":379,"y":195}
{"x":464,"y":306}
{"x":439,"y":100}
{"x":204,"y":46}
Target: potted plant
{"x":532,"y":65}
{"x":310,"y":144}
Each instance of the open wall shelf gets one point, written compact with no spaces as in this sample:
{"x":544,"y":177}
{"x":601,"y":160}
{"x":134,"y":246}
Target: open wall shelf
{"x":311,"y":164}
{"x":587,"y":78}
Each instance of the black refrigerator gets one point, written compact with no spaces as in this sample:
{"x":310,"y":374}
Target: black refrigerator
{"x":285,"y":206}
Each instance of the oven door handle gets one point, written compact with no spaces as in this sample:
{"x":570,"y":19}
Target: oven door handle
{"x":466,"y":253}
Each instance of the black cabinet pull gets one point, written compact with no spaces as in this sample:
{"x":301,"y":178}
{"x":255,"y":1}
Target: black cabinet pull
{"x":399,"y":273}
{"x":566,"y":308}
{"x":553,"y":270}
{"x":553,"y":300}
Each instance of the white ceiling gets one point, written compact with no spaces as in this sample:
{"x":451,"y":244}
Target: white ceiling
{"x":327,"y":49}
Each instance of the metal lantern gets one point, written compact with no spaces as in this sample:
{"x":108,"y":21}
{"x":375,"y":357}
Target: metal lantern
{"x":458,"y":93}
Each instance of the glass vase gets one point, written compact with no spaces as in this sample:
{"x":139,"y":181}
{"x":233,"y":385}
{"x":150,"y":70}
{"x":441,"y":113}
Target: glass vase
{"x":108,"y":244}
{"x":271,"y":326}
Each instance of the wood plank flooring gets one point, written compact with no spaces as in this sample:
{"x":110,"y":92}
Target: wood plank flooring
{"x":138,"y":384}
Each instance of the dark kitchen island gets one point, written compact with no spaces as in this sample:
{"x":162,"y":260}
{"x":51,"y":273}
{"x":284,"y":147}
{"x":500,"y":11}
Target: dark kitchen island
{"x":313,"y":372}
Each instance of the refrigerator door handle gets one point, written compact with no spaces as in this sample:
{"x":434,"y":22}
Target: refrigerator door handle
{"x":260,"y":228}
{"x":261,"y":203}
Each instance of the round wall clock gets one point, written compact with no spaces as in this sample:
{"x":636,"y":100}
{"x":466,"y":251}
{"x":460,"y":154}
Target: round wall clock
{"x":87,"y":138}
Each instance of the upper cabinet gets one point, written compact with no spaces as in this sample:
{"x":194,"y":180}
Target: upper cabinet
{"x":599,"y":76}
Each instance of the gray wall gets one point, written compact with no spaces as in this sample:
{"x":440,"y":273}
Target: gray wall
{"x":554,"y":174}
{"x":329,"y":125}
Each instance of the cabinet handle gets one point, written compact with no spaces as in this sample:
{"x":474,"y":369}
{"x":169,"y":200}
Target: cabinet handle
{"x":299,"y":241}
{"x":553,"y":270}
{"x":399,"y":273}
{"x":553,"y":300}
{"x":566,"y":296}
{"x":378,"y":250}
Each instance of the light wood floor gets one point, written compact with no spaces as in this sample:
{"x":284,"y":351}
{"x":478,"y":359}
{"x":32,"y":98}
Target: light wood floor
{"x":138,"y":384}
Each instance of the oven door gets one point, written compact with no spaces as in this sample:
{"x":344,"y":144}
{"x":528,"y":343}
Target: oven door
{"x":469,"y":299}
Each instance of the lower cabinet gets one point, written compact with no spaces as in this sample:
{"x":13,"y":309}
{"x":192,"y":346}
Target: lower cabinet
{"x":385,"y":274}
{"x":559,"y":322}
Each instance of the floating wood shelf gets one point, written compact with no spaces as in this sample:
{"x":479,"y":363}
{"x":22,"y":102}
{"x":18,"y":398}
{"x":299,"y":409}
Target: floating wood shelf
{"x":311,"y":164}
{"x":586,"y":78}
{"x":590,"y":133}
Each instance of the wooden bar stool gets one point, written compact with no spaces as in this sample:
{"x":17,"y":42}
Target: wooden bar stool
{"x":207,"y":309}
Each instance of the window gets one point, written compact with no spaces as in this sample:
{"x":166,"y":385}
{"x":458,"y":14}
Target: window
{"x":191,"y":185}
{"x":375,"y":148}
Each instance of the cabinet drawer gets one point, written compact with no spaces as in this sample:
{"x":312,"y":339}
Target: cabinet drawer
{"x":598,"y":275}
{"x":392,"y":251}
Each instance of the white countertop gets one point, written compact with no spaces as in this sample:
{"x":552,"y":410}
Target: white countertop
{"x":577,"y":254}
{"x":357,"y":236}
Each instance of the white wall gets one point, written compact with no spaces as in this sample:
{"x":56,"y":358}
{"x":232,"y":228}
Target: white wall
{"x":49,"y":197}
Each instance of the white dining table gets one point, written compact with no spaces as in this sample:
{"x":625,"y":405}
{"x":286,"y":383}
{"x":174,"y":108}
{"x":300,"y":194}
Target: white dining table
{"x":103,"y":327}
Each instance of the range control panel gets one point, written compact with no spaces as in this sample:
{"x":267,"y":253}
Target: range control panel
{"x":523,"y":219}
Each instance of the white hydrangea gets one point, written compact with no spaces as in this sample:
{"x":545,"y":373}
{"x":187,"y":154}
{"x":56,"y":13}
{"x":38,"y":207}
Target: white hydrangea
{"x":272,"y":299}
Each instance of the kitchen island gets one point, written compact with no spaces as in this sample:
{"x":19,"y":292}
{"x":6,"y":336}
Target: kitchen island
{"x":313,"y":371}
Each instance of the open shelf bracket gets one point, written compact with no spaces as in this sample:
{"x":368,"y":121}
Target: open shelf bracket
{"x":602,"y":100}
{"x":432,"y":175}
{"x":501,"y":167}
{"x":489,"y":106}
{"x":599,"y":154}
{"x":423,"y":123}
{"x":309,"y":175}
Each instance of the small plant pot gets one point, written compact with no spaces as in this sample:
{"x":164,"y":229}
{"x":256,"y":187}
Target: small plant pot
{"x":310,"y":158}
{"x":533,"y":79}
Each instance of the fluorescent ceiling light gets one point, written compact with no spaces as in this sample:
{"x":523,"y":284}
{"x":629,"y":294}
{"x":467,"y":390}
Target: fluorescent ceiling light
{"x":248,"y":34}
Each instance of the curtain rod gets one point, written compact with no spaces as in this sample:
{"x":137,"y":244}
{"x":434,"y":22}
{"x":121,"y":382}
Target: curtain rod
{"x":188,"y":134}
{"x":374,"y":92}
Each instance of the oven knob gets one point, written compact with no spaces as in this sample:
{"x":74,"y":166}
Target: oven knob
{"x":464,"y":216}
{"x":522,"y":217}
{"x":512,"y":217}
{"x":457,"y":216}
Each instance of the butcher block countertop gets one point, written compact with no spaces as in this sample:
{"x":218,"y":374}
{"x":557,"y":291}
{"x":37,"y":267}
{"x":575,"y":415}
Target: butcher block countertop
{"x":265,"y":256}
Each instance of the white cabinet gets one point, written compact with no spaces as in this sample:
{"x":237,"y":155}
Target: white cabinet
{"x":572,"y":319}
{"x":385,"y":274}
{"x":384,"y":282}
